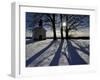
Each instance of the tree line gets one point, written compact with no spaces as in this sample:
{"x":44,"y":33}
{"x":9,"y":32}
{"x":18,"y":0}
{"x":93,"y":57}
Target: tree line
{"x":72,"y":22}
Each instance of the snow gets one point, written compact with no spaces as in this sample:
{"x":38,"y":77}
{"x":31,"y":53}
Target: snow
{"x":84,"y":44}
{"x":63,"y":60}
{"x":49,"y":51}
{"x":33,"y":48}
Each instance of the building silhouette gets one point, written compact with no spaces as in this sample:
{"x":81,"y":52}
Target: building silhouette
{"x":39,"y":33}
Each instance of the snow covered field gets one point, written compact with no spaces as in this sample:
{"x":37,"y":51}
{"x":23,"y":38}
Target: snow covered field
{"x":60,"y":52}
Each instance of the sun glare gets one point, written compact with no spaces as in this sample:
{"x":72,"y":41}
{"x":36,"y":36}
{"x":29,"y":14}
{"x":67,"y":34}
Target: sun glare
{"x":64,"y":24}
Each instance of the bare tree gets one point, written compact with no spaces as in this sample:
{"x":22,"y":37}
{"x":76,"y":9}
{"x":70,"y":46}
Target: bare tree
{"x":72,"y":23}
{"x":61,"y":29}
{"x":51,"y":18}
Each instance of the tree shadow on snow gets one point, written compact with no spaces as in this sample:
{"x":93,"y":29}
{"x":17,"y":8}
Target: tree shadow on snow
{"x":30,"y":60}
{"x":74,"y":58}
{"x":81,"y":48}
{"x":55,"y":60}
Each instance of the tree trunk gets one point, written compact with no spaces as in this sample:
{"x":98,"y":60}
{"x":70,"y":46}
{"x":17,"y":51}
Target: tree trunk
{"x":61,"y":30}
{"x":67,"y":31}
{"x":54,"y":28}
{"x":62,"y":33}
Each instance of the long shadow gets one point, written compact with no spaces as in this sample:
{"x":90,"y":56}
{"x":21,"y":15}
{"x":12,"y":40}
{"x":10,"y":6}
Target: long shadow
{"x":74,"y":59}
{"x":82,"y":48}
{"x":48,"y":55}
{"x":43,"y":59}
{"x":55,"y":60}
{"x":30,"y":60}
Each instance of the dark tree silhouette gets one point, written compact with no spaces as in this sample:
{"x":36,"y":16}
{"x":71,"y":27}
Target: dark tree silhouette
{"x":72,"y":23}
{"x":61,"y":29}
{"x":51,"y":18}
{"x":66,"y":30}
{"x":54,"y":28}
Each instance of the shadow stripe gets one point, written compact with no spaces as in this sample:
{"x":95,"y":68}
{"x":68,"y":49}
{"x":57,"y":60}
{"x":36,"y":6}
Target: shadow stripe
{"x":30,"y":60}
{"x":55,"y":60}
{"x":75,"y":59}
{"x":81,"y":48}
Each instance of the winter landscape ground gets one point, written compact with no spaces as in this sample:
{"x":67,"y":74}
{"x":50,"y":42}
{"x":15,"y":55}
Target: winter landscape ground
{"x":60,"y":52}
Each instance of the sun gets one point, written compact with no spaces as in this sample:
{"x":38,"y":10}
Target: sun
{"x":64,"y":24}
